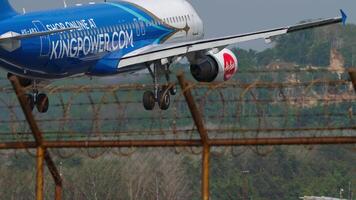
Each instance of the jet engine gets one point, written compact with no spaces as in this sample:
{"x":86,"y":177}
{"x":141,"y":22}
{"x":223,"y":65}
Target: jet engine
{"x":215,"y":67}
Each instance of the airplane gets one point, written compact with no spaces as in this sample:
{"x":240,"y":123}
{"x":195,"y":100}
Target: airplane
{"x":125,"y":36}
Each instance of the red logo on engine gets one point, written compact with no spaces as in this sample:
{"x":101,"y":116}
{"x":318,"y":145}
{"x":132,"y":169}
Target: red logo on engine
{"x":229,"y":66}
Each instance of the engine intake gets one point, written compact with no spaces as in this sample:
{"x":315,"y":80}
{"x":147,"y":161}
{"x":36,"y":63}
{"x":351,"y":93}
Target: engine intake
{"x":206,"y":70}
{"x":217,"y":67}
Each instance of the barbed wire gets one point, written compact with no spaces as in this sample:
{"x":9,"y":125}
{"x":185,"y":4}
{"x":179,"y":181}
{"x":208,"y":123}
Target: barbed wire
{"x":319,"y":105}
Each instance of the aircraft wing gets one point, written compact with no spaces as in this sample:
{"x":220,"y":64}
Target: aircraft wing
{"x":158,"y":52}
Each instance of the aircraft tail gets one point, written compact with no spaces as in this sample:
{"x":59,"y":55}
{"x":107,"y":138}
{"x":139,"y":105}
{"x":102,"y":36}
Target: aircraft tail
{"x":6,"y":10}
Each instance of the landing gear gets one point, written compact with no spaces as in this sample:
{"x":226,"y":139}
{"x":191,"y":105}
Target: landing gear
{"x":164,"y":99}
{"x":160,"y":94}
{"x":149,"y":100}
{"x":42,"y":103}
{"x":35,"y":98}
{"x":39,"y":100}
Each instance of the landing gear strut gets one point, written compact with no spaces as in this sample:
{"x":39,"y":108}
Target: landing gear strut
{"x":160,"y":94}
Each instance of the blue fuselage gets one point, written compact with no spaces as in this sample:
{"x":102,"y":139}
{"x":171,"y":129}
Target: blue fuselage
{"x":103,"y":34}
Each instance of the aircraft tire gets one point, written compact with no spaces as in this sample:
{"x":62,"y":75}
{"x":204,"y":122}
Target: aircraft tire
{"x":42,"y":103}
{"x":164,"y":100}
{"x":148,"y":100}
{"x":173,"y":90}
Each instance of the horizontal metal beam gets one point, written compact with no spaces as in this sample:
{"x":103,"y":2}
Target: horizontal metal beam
{"x":185,"y":143}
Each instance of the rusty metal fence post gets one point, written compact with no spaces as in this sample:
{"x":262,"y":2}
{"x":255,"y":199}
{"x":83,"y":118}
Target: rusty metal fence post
{"x":40,"y":173}
{"x":198,"y":120}
{"x":352,"y":73}
{"x":42,"y":152}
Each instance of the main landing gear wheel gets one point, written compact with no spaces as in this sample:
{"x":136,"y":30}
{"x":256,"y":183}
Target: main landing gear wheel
{"x":149,"y":100}
{"x":42,"y":103}
{"x":164,"y":99}
{"x":173,"y":90}
{"x":39,"y":100}
{"x":160,"y":94}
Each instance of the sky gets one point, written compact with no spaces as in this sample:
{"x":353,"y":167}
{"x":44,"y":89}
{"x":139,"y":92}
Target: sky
{"x":226,"y":17}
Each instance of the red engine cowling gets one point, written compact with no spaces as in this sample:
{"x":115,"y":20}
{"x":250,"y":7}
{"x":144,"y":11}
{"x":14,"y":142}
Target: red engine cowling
{"x":215,"y":67}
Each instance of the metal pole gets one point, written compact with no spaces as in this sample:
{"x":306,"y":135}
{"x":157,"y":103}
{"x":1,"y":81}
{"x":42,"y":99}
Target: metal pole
{"x":205,"y":172}
{"x":184,"y":143}
{"x":193,"y":109}
{"x":198,"y":120}
{"x":20,"y":93}
{"x":42,"y":153}
{"x":55,"y":174}
{"x":58,"y":192}
{"x":40,"y":173}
